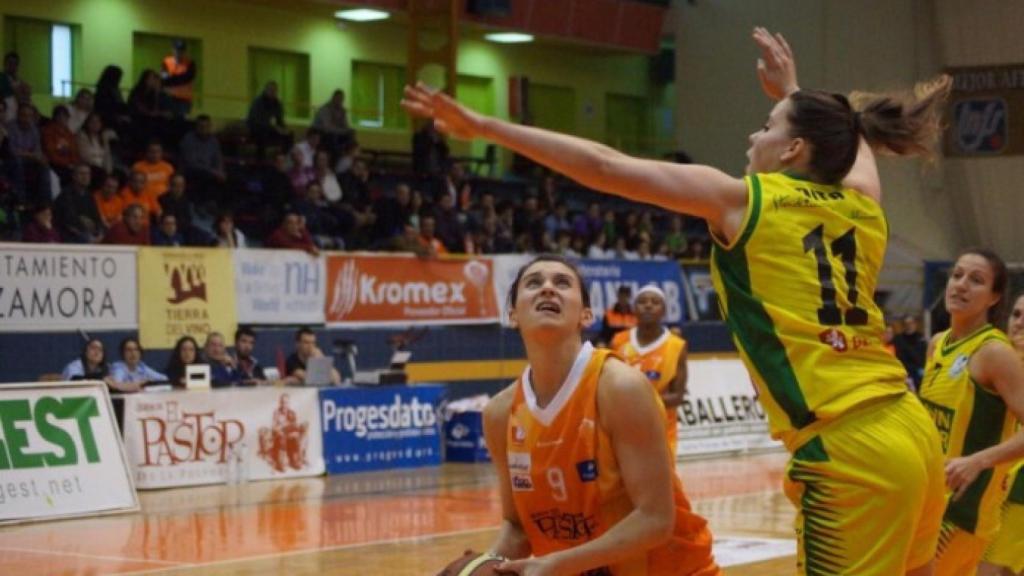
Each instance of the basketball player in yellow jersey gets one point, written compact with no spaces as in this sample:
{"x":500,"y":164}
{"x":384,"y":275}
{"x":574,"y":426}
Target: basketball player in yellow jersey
{"x":974,"y":389}
{"x":799,"y":243}
{"x":586,"y":482}
{"x":1005,"y":556}
{"x":658,"y":353}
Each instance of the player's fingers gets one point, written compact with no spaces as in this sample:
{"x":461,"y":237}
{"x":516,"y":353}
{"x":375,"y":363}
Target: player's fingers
{"x":783,"y":44}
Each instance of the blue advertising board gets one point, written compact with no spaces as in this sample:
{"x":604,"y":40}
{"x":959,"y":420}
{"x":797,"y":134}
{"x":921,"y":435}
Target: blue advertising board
{"x":603,"y":278}
{"x":380,"y":428}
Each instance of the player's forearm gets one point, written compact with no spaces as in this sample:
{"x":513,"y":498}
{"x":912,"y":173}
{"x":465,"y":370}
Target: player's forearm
{"x":582,"y":160}
{"x":638,"y":532}
{"x":1010,"y":450}
{"x":511,"y":543}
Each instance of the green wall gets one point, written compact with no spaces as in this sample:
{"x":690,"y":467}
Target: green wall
{"x":227,"y":29}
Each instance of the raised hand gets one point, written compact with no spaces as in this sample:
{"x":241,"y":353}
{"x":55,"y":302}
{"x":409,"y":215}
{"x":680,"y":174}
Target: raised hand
{"x":449,"y":116}
{"x":776,"y":68}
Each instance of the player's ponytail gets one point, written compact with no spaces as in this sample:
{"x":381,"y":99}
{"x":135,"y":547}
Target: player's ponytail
{"x":904,"y":124}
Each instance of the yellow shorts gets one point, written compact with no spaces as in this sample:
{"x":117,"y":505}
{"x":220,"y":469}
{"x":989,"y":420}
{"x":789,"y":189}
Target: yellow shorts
{"x":1007,"y":550}
{"x":959,"y":551}
{"x":870,"y":492}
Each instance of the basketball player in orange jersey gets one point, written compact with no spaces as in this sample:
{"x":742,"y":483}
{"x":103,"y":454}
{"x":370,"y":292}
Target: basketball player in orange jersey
{"x":657,"y":352}
{"x":586,"y":482}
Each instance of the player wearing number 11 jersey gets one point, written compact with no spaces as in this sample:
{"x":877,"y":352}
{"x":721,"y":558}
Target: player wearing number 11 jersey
{"x":799,"y":245}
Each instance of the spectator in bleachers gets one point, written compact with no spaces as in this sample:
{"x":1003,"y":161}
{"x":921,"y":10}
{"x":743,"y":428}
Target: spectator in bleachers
{"x":564,"y":245}
{"x":326,"y":177}
{"x":622,"y":250}
{"x":203,"y":163}
{"x":177,"y":202}
{"x":130,"y":374}
{"x":149,"y":108}
{"x":90,"y":365}
{"x":157,"y":170}
{"x":675,"y":239}
{"x":185,"y":353}
{"x":557,"y":220}
{"x":134,"y":192}
{"x":80,"y":109}
{"x":78,"y":219}
{"x":292,"y":234}
{"x":59,"y":143}
{"x":599,"y":248}
{"x":429,"y":151}
{"x":392,"y":214}
{"x":355,"y":186}
{"x":9,"y":83}
{"x":332,"y":121}
{"x":94,"y":147}
{"x":109,"y":102}
{"x":348,"y":157}
{"x":266,"y":120}
{"x":432,"y":246}
{"x":275,"y":180}
{"x":454,"y":184}
{"x":447,"y":227}
{"x":248,"y":366}
{"x":166,"y":232}
{"x":40,"y":229}
{"x":588,"y":225}
{"x":301,"y":176}
{"x":304,"y":151}
{"x":696,"y":250}
{"x":549,"y":192}
{"x":415,"y":208}
{"x":223,"y":369}
{"x":911,"y":349}
{"x":26,"y":144}
{"x":109,"y":203}
{"x":609,"y":225}
{"x":132,"y":230}
{"x":226,"y":235}
{"x":178,"y":73}
{"x":305,"y":348}
{"x":482,"y":207}
{"x":320,"y":220}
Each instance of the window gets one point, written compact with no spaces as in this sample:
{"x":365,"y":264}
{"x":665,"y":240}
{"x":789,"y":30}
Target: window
{"x":553,"y":107}
{"x":376,"y":95}
{"x":149,"y":51}
{"x":291,"y":72}
{"x":626,"y":125}
{"x":48,"y":53}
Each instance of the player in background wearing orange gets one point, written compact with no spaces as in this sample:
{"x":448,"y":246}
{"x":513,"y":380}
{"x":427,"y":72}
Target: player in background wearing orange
{"x":586,"y":482}
{"x":658,"y":353}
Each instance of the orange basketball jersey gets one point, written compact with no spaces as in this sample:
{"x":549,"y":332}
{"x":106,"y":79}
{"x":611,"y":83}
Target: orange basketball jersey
{"x":658,"y":361}
{"x":566,"y":482}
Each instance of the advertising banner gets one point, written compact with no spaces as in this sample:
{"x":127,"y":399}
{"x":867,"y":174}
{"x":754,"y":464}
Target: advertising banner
{"x":380,"y":428}
{"x":185,"y":291}
{"x":60,"y":454}
{"x":401,"y":290}
{"x":985,"y":110}
{"x":604,"y":277}
{"x":207,"y":437}
{"x":50,"y":288}
{"x":720,"y":412}
{"x":701,"y":297}
{"x":279,"y":287}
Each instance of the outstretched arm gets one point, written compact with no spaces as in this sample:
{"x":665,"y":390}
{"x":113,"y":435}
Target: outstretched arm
{"x":691,"y":189}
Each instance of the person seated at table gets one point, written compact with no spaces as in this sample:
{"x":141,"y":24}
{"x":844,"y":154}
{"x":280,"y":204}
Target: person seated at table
{"x":305,"y":348}
{"x":185,"y":353}
{"x":90,"y":365}
{"x":223,"y":368}
{"x":131,"y":373}
{"x":249,"y":367}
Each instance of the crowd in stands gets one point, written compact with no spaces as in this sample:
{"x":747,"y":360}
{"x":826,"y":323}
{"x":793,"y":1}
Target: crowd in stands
{"x":241,"y":368}
{"x":140,"y":171}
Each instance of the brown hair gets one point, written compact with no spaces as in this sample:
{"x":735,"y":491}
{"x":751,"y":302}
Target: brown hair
{"x":906,"y":124}
{"x":1000,"y":279}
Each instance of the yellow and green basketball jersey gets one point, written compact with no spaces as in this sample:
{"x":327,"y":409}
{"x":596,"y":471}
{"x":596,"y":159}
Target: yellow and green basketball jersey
{"x":797,"y":287}
{"x":970,"y":418}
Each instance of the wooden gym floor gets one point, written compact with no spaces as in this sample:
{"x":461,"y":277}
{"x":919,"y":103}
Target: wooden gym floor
{"x":399,"y":523}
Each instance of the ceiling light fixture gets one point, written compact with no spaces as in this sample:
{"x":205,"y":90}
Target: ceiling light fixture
{"x":361,"y":15}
